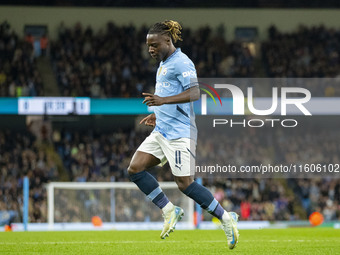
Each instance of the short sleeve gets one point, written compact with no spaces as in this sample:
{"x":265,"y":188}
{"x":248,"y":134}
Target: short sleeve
{"x":186,"y":74}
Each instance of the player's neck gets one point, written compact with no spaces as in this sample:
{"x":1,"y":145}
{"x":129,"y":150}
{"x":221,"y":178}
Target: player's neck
{"x":171,"y":51}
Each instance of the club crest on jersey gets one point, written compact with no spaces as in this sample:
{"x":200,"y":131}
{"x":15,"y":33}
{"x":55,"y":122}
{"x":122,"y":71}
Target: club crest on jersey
{"x":162,"y":71}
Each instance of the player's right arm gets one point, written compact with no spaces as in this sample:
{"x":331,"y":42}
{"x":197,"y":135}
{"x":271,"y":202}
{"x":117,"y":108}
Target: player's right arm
{"x":189,"y":95}
{"x":149,"y":120}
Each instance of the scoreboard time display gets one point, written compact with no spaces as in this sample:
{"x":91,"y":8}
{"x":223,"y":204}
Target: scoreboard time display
{"x":53,"y":106}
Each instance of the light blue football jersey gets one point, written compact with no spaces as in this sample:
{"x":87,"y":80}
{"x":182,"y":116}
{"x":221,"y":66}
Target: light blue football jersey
{"x":175,"y":75}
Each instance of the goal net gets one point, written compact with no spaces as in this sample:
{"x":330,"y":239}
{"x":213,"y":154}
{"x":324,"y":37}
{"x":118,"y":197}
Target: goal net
{"x":119,"y":205}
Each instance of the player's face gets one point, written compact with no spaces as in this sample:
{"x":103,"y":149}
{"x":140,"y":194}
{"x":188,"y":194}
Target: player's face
{"x":159,"y":46}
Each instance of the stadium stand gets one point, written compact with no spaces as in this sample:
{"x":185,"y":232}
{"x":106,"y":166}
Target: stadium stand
{"x":310,"y":52}
{"x":89,"y":64}
{"x":99,"y":157}
{"x":115,"y":62}
{"x":18,"y":71}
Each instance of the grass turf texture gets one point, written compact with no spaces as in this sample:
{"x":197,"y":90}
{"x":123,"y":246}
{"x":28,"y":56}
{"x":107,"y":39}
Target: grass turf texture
{"x":266,"y":241}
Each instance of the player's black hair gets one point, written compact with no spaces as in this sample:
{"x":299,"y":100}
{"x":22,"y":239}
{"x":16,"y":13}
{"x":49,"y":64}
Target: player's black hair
{"x":169,"y":27}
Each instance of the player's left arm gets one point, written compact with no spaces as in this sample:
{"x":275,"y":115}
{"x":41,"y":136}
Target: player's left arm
{"x":191,"y":94}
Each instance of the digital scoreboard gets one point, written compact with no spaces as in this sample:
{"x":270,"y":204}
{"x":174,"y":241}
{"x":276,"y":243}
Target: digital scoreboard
{"x":53,"y":106}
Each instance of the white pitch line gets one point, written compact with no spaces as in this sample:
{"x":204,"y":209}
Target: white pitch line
{"x":160,"y":241}
{"x":103,"y":242}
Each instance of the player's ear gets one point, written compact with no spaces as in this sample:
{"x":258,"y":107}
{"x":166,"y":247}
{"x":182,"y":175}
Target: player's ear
{"x":168,"y":40}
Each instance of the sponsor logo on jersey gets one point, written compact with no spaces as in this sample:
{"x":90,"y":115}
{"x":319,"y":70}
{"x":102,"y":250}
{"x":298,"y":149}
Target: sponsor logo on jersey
{"x":189,"y":73}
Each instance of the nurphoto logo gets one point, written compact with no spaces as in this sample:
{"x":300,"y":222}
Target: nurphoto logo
{"x":238,"y":105}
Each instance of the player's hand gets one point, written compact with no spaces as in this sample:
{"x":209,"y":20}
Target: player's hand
{"x":149,"y":120}
{"x":153,"y":100}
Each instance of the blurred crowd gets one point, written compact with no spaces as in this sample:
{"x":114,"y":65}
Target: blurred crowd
{"x":88,"y":156}
{"x":256,"y":199}
{"x":104,"y":64}
{"x":264,"y":198}
{"x":309,"y":52}
{"x":319,"y":195}
{"x":115,"y":62}
{"x":214,"y":56}
{"x":19,"y":75}
{"x":91,"y":156}
{"x":20,"y":156}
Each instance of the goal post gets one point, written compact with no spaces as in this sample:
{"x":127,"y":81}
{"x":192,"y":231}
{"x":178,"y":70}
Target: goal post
{"x":114,"y":202}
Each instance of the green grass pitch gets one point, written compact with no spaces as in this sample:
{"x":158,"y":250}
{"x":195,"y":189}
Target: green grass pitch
{"x":318,"y":241}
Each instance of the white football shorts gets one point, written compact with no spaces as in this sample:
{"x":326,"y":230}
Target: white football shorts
{"x":180,"y":153}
